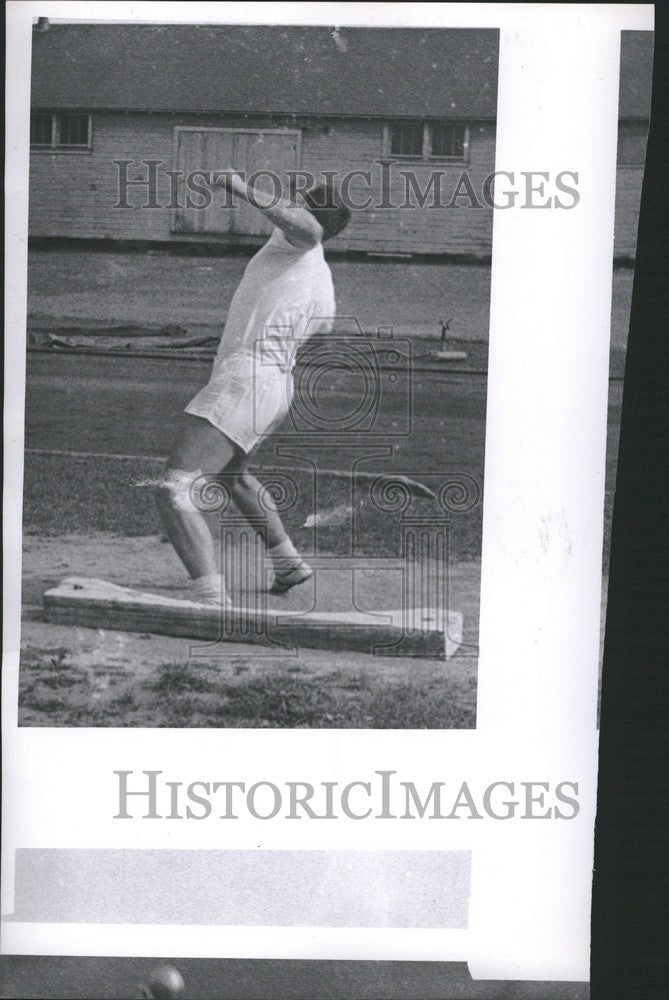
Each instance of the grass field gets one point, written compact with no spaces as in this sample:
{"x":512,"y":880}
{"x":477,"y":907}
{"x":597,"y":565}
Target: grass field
{"x":79,"y":494}
{"x":191,"y":693}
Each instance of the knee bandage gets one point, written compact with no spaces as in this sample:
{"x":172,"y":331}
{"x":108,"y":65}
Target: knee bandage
{"x":179,"y":483}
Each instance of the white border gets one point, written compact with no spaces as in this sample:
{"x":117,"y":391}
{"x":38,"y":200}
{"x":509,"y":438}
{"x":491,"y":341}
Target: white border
{"x":545,"y":448}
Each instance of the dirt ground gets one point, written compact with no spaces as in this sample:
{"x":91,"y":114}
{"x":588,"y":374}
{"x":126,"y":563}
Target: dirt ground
{"x":159,"y":287}
{"x":79,"y":676}
{"x":163,"y":288}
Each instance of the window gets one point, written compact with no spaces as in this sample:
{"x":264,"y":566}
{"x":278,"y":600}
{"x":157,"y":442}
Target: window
{"x":406,"y":139}
{"x":60,"y":130}
{"x":40,"y":129}
{"x":72,"y":130}
{"x":425,"y":141}
{"x":448,"y":140}
{"x":632,"y":137}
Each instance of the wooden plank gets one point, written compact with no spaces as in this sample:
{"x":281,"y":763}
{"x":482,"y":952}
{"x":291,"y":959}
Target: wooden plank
{"x":98,"y":604}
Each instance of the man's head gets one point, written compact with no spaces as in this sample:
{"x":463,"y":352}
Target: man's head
{"x":325,"y":204}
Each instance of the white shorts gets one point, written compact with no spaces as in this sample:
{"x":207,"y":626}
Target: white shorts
{"x":244,"y":399}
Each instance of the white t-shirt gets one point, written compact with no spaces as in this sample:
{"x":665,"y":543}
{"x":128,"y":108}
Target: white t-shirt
{"x":285,"y":296}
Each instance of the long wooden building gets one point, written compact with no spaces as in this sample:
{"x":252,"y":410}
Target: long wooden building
{"x":125,"y":116}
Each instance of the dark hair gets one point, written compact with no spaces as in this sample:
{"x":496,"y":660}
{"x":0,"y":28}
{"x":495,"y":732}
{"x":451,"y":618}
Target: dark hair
{"x":326,"y":206}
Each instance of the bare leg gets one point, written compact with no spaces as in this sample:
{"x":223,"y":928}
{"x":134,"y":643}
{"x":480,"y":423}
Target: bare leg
{"x":256,"y":505}
{"x":199,"y":448}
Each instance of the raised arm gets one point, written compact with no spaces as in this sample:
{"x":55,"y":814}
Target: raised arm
{"x":298,"y":225}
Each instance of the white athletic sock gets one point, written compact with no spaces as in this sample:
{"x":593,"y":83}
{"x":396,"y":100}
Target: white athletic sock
{"x":285,"y":556}
{"x":210,"y":589}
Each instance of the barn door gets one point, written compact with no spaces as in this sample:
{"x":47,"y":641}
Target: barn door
{"x":244,"y":150}
{"x":201,"y":149}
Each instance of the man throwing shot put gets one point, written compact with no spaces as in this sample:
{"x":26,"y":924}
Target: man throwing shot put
{"x":285,"y":294}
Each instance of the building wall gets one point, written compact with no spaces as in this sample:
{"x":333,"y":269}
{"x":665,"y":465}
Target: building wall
{"x":72,"y":194}
{"x":461,"y":229}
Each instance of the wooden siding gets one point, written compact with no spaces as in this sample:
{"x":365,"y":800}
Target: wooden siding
{"x":72,"y":194}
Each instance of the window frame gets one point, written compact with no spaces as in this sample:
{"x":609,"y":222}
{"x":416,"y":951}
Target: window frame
{"x":55,"y":146}
{"x":43,"y":145}
{"x":426,"y":155}
{"x":465,"y":143}
{"x":406,"y":156}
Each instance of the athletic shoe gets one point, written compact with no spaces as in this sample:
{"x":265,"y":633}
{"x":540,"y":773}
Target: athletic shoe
{"x":286,"y":579}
